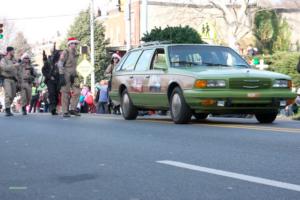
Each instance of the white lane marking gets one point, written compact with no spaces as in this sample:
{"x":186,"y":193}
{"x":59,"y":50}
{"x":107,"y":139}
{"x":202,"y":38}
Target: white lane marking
{"x":17,"y":188}
{"x":243,"y":177}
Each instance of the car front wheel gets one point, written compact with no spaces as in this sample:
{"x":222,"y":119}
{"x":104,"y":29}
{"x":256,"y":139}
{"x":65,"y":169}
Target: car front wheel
{"x":266,"y":118}
{"x":129,"y":111}
{"x":180,"y":111}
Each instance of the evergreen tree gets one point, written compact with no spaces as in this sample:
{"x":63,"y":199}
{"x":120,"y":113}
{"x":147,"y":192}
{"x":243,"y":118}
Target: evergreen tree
{"x":81,"y":30}
{"x":176,"y":34}
{"x":283,"y":39}
{"x":272,"y":32}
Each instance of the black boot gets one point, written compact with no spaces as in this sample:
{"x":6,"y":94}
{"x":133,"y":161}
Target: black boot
{"x":24,"y":112}
{"x":73,"y":112}
{"x":53,"y":111}
{"x":66,"y":115}
{"x":8,"y":113}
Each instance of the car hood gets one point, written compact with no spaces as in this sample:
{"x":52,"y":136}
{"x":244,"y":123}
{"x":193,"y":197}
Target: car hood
{"x":232,"y":72}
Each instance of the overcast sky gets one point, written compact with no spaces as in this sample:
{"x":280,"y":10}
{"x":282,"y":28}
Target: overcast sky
{"x":43,"y":28}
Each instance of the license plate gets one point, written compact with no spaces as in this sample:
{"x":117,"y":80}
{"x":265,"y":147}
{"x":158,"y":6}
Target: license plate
{"x":253,"y":95}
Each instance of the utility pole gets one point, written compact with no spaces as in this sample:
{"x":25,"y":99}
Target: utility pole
{"x":128,"y":24}
{"x":92,"y":46}
{"x":144,"y":17}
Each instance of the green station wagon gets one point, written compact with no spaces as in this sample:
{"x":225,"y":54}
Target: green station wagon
{"x":196,"y":80}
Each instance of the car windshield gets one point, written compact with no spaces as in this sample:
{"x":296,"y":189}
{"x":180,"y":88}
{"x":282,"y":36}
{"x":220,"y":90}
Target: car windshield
{"x":203,"y":55}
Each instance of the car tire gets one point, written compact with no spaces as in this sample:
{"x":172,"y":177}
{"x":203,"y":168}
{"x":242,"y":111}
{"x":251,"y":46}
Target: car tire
{"x":266,"y":118}
{"x":200,"y":116}
{"x":180,"y":111}
{"x":129,"y":111}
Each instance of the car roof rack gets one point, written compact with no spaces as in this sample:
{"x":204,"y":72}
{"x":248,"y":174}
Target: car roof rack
{"x":146,"y":44}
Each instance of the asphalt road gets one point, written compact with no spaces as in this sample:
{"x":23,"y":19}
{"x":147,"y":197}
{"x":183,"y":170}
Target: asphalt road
{"x":107,"y":158}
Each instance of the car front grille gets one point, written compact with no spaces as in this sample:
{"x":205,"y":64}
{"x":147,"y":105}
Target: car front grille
{"x":249,"y":83}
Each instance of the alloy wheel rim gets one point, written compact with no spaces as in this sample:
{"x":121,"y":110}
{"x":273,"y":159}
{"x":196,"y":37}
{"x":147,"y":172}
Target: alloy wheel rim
{"x":176,"y":105}
{"x":125,"y":103}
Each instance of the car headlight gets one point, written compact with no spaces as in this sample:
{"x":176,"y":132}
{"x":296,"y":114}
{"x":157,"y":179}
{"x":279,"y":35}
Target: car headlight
{"x":210,"y":84}
{"x":280,"y":83}
{"x":216,"y":83}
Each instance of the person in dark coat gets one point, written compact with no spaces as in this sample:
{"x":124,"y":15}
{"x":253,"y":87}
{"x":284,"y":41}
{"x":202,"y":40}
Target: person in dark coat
{"x":51,"y":74}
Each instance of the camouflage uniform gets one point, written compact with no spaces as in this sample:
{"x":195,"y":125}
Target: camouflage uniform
{"x":67,"y":67}
{"x":9,"y":71}
{"x":27,"y":76}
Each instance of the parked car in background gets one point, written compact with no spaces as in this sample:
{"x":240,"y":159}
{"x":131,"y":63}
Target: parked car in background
{"x":197,"y":80}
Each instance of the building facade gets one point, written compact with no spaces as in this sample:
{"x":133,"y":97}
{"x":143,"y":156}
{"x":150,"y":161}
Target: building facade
{"x":199,"y":14}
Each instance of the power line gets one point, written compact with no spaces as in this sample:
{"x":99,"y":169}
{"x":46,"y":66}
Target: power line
{"x":41,"y":17}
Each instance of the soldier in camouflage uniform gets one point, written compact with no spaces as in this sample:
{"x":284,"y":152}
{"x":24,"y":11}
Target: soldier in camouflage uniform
{"x":68,"y":79}
{"x":9,"y":70}
{"x":27,"y":76}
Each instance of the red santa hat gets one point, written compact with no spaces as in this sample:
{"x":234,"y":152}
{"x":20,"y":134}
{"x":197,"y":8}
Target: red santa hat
{"x":72,"y":40}
{"x":116,"y":55}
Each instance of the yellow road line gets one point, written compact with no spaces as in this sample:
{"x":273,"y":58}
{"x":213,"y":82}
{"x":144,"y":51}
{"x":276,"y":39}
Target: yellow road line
{"x":260,"y":128}
{"x":237,"y":126}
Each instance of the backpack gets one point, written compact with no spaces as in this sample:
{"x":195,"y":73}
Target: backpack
{"x":89,"y":100}
{"x":1,"y":77}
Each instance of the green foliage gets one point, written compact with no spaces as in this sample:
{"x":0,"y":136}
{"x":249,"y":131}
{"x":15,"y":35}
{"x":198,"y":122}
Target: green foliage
{"x":297,"y":116}
{"x":265,"y":29}
{"x":283,"y":39}
{"x":271,"y":31}
{"x":81,"y":30}
{"x":285,"y":62}
{"x":176,"y":34}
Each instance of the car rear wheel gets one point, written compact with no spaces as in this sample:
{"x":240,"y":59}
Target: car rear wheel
{"x":180,"y":111}
{"x":200,"y":116}
{"x":266,"y":118}
{"x":129,"y":111}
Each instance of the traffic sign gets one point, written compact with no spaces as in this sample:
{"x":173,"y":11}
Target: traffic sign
{"x":85,"y":68}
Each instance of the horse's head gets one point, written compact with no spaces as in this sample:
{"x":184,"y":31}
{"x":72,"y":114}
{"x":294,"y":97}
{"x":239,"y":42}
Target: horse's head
{"x":55,"y":56}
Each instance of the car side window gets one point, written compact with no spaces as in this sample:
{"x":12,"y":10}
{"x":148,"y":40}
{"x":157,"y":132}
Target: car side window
{"x":120,"y":64}
{"x":144,"y":61}
{"x":131,"y":60}
{"x":159,"y":59}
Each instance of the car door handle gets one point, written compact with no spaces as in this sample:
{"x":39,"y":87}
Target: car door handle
{"x":131,"y":77}
{"x":147,"y":76}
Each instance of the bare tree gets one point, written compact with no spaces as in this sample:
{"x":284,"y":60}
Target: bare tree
{"x":21,"y":45}
{"x":234,"y":16}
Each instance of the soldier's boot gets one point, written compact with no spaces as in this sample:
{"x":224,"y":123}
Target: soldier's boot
{"x":66,"y":115}
{"x":8,"y":112}
{"x":73,"y":112}
{"x":24,"y":112}
{"x":53,"y":110}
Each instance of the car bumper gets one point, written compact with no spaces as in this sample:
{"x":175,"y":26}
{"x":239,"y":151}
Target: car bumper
{"x":238,"y":101}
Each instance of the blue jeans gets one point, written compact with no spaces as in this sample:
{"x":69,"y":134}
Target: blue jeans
{"x":102,"y":108}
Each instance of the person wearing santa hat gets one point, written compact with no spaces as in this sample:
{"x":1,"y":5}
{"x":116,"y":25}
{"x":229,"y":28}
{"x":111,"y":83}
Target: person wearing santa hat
{"x":115,"y":58}
{"x":27,"y":76}
{"x":68,"y":78}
